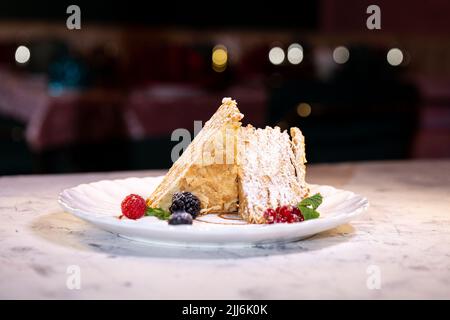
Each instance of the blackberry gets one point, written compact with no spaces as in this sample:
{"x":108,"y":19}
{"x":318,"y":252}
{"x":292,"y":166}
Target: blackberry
{"x":180,"y":217}
{"x":185,"y":201}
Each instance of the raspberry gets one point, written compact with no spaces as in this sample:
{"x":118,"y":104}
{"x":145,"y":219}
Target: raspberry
{"x":133,"y":206}
{"x":185,"y":201}
{"x":283,"y":214}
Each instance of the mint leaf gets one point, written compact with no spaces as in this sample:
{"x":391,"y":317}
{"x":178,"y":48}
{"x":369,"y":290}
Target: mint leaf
{"x":309,"y":205}
{"x":158,"y":212}
{"x":309,"y":213}
{"x":312,"y":202}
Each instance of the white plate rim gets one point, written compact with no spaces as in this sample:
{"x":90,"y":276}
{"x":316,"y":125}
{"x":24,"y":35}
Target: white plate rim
{"x":211,"y":236}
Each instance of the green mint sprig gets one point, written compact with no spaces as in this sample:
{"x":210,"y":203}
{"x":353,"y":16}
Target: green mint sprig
{"x":309,"y":205}
{"x":158,"y":212}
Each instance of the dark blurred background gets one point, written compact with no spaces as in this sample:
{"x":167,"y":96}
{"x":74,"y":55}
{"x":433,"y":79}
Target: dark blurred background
{"x":108,"y":96}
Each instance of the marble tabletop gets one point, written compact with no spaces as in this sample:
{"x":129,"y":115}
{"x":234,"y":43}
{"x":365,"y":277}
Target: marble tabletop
{"x":400,"y":248}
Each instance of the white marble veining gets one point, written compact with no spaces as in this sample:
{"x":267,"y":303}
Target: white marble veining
{"x":405,"y":234}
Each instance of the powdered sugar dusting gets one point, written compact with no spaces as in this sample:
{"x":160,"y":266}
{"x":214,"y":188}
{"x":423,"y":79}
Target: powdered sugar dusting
{"x":267,"y":174}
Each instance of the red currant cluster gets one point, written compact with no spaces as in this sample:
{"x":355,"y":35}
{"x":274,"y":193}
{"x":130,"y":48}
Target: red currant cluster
{"x":283,"y":214}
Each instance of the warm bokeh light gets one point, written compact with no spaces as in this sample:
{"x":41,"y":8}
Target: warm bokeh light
{"x":276,"y":55}
{"x":219,"y":58}
{"x":303,"y":109}
{"x":295,"y":53}
{"x":341,"y":55}
{"x":22,"y":54}
{"x":219,"y":55}
{"x":395,"y":57}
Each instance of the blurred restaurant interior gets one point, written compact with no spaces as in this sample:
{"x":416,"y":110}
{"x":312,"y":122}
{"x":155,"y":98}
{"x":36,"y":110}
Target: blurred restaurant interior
{"x":108,"y":96}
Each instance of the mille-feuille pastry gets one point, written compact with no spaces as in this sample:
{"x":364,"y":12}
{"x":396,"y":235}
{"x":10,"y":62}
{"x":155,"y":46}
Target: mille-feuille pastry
{"x":271,"y":171}
{"x":230,"y":168}
{"x":207,"y":168}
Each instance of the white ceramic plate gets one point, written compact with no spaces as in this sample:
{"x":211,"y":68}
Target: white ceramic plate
{"x":99,"y":204}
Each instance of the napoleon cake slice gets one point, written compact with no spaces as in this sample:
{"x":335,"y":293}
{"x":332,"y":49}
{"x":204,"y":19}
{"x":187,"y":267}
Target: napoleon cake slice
{"x":271,"y":171}
{"x":208,"y":167}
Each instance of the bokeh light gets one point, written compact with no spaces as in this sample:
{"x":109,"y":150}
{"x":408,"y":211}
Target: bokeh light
{"x":22,"y":54}
{"x":303,"y":109}
{"x":276,"y":55}
{"x":341,"y":55}
{"x":219,"y":58}
{"x":395,"y":57}
{"x":295,"y":53}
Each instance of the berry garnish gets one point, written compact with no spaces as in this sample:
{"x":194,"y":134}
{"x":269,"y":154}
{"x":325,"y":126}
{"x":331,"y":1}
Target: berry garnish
{"x":296,"y":212}
{"x":180,"y":217}
{"x":185,"y":201}
{"x":133,"y":206}
{"x":283,"y":214}
{"x":305,"y":210}
{"x":270,"y":215}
